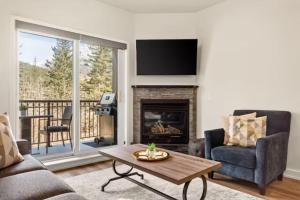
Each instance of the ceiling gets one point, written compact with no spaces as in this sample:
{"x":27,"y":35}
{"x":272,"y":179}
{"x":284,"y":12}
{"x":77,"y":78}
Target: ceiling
{"x":161,"y":6}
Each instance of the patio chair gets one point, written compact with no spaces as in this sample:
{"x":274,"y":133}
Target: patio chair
{"x":65,"y":126}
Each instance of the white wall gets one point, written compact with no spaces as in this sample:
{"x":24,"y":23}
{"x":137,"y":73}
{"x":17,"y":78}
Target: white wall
{"x":85,"y":16}
{"x":250,"y":59}
{"x":164,"y":26}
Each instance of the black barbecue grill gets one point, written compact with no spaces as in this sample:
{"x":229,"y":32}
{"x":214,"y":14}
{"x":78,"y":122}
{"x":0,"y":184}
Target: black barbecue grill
{"x":107,"y":106}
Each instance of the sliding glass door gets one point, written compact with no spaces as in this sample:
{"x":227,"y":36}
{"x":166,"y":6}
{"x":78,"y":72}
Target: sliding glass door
{"x":96,"y":78}
{"x":62,"y":78}
{"x":45,"y":92}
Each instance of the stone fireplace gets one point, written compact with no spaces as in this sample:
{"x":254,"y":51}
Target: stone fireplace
{"x":165,"y":115}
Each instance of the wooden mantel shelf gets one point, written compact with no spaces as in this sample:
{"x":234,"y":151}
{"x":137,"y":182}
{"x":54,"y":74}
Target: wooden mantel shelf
{"x":164,"y":86}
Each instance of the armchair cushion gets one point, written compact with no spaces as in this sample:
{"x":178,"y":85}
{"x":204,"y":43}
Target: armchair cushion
{"x":239,"y":156}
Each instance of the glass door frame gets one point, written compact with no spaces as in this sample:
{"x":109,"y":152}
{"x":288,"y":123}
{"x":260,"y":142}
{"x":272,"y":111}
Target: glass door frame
{"x":75,"y":94}
{"x":115,"y":85}
{"x":17,"y":31}
{"x":76,"y":97}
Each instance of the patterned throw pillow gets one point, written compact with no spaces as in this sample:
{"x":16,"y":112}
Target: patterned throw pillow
{"x":246,"y":132}
{"x":233,"y":118}
{"x":9,"y":152}
{"x":261,"y":127}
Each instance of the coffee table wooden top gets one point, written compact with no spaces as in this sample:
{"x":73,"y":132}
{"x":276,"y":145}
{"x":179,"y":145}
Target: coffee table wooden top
{"x":178,"y":169}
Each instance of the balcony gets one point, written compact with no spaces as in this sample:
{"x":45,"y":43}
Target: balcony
{"x":43,"y":113}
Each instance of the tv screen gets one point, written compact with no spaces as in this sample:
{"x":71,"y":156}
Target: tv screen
{"x":167,"y":57}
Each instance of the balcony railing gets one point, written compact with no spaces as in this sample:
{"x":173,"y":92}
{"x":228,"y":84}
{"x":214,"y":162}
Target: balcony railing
{"x":89,"y":127}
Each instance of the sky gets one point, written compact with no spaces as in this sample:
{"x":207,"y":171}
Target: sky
{"x":32,"y":46}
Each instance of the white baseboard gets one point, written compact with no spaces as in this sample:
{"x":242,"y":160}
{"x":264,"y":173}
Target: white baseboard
{"x":73,"y":161}
{"x":292,"y":173}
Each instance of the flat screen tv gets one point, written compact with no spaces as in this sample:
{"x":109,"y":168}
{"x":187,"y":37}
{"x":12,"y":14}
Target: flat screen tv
{"x":167,"y":57}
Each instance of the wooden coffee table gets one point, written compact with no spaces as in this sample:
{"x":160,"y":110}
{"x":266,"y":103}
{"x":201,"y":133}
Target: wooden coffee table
{"x":178,"y":169}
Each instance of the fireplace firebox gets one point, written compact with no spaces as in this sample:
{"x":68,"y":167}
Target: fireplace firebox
{"x":165,"y":121}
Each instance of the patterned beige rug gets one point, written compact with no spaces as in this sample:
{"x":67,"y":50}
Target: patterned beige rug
{"x":89,"y":186}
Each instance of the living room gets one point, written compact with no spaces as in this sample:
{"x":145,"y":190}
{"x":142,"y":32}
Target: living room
{"x":244,"y":62}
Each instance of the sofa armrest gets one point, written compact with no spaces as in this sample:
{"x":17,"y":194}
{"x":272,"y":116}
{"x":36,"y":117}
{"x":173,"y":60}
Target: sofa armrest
{"x":24,"y":146}
{"x":271,"y":157}
{"x":213,"y":138}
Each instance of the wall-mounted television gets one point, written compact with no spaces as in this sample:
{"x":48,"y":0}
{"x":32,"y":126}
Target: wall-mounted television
{"x":167,"y":57}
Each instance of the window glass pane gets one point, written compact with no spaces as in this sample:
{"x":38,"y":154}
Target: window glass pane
{"x":45,"y":88}
{"x":95,"y":71}
{"x":96,"y":78}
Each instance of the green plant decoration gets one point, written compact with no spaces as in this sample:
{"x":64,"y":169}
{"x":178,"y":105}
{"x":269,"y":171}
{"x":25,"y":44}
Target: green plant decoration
{"x":151,"y":147}
{"x":23,"y":107}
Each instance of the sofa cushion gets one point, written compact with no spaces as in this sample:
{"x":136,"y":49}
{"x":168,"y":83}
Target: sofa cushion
{"x":29,"y":164}
{"x":67,"y":196}
{"x":35,"y":185}
{"x":240,"y":156}
{"x":9,"y":152}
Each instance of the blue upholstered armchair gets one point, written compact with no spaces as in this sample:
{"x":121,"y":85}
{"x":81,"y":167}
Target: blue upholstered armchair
{"x":261,"y":164}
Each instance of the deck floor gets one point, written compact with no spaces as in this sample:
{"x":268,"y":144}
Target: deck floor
{"x":58,"y":148}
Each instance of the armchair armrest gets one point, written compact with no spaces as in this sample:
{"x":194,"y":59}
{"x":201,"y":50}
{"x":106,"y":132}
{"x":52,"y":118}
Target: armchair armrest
{"x":213,"y":138}
{"x":271,"y":157}
{"x":23,"y":146}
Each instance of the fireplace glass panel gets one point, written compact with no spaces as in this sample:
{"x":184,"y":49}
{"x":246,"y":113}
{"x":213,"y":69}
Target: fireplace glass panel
{"x":164,"y":122}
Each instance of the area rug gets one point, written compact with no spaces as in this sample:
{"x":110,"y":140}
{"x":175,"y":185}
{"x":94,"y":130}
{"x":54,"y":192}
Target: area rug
{"x":89,"y":186}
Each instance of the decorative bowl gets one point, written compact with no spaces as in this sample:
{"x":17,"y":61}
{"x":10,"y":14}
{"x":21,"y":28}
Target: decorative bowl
{"x":158,"y":155}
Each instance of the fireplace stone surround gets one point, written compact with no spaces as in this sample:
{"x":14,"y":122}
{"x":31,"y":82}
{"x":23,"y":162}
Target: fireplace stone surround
{"x":172,"y":92}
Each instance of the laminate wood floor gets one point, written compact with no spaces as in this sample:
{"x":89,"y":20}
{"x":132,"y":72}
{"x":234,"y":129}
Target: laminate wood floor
{"x":288,"y":189}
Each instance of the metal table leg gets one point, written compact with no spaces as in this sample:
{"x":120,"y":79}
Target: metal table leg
{"x":120,"y":175}
{"x":127,"y":175}
{"x":186,"y":185}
